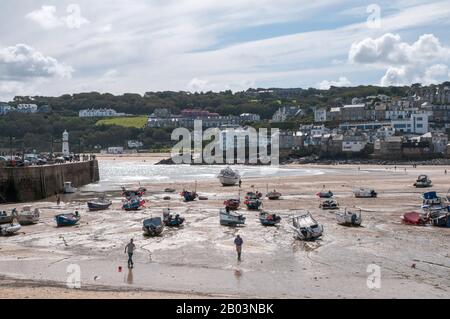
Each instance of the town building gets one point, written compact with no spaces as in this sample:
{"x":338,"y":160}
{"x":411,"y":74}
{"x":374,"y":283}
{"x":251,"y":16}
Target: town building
{"x":5,"y":108}
{"x":27,"y":108}
{"x":105,"y":112}
{"x":285,"y":113}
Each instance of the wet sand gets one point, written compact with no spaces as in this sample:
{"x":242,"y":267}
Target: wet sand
{"x":199,"y":259}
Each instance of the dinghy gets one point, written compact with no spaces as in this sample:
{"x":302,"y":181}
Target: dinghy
{"x":169,"y":190}
{"x":441,"y":220}
{"x":170,"y":220}
{"x":306,"y":227}
{"x":415,"y":218}
{"x":231,"y":218}
{"x":269,"y":219}
{"x":9,"y":229}
{"x":133,"y":204}
{"x":189,"y":196}
{"x":253,"y":203}
{"x":153,"y":226}
{"x":133,"y":193}
{"x":69,"y":219}
{"x":7,"y":218}
{"x":348,"y":218}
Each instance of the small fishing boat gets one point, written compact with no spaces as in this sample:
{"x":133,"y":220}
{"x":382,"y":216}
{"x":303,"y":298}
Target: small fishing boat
{"x":133,"y":193}
{"x":365,"y":193}
{"x":153,"y":226}
{"x":133,"y":204}
{"x":229,"y":177}
{"x":28,"y":216}
{"x":348,"y":218}
{"x":203,"y":198}
{"x":269,"y":219}
{"x":170,"y":220}
{"x":9,"y":229}
{"x":253,"y":203}
{"x":423,"y":181}
{"x":324,"y":194}
{"x":228,"y":218}
{"x":306,"y":227}
{"x":169,"y":190}
{"x":273,"y":195}
{"x":189,"y":196}
{"x":7,"y":218}
{"x":69,"y":219}
{"x":431,"y":202}
{"x":329,"y":204}
{"x":99,"y":204}
{"x":232,"y":204}
{"x":415,"y":218}
{"x":68,"y":188}
{"x":256,"y":194}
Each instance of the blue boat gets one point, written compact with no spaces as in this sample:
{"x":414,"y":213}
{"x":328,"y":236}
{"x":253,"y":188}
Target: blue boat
{"x":69,"y":219}
{"x":153,"y":226}
{"x":268,"y":219}
{"x":133,"y":204}
{"x":170,"y":220}
{"x":253,"y":203}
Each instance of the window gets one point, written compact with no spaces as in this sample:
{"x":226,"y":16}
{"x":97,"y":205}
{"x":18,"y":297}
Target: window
{"x":419,"y":125}
{"x":420,"y":119}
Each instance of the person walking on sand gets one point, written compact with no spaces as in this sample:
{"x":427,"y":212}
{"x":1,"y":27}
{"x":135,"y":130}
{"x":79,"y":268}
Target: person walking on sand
{"x":130,"y":248}
{"x":238,"y":242}
{"x":58,"y":200}
{"x":240,"y":183}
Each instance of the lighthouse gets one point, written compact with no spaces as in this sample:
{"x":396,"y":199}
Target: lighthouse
{"x":65,"y":144}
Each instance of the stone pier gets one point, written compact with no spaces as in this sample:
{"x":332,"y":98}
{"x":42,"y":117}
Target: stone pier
{"x":25,"y":184}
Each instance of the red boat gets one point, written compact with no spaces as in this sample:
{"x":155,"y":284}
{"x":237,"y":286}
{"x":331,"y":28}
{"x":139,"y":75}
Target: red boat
{"x":415,"y":218}
{"x":232,"y":204}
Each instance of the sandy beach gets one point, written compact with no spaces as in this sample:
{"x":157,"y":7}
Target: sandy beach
{"x":199,"y":260}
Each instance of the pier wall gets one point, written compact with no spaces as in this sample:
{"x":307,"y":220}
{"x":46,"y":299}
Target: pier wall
{"x":24,"y":184}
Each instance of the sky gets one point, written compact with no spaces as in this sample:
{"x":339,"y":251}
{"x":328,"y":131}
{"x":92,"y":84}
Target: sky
{"x":63,"y":47}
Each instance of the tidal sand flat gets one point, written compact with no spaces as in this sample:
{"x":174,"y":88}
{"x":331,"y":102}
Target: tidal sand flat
{"x":199,"y":259}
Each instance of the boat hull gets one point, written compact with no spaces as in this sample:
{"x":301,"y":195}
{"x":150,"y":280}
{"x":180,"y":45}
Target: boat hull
{"x":8,"y":230}
{"x":346,"y":219}
{"x":67,"y":220}
{"x":93,"y":207}
{"x":229,"y":180}
{"x":229,"y":219}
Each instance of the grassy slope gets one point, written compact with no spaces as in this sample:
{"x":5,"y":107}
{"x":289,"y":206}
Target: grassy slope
{"x":137,"y":122}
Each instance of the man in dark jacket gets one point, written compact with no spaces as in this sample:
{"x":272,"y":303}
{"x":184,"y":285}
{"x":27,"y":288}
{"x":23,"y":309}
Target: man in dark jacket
{"x":238,"y":242}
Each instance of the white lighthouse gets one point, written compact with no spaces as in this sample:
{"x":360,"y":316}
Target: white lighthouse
{"x":65,"y":144}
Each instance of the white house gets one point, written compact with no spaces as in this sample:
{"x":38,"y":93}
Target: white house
{"x":416,"y":124}
{"x":115,"y":150}
{"x":320,"y":115}
{"x":5,"y":108}
{"x":354,"y":143}
{"x":99,"y":113}
{"x":27,"y":108}
{"x":249,"y":117}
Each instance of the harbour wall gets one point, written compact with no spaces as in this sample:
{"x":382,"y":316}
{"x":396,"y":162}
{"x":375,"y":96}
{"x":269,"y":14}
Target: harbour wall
{"x":25,"y":184}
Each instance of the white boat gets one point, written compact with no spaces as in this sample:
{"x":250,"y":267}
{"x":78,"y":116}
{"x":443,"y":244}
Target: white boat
{"x":231,"y":218}
{"x":68,"y":188}
{"x":7,"y":218}
{"x":28,"y":216}
{"x":306,"y":227}
{"x":229,"y":177}
{"x":365,"y":193}
{"x":10,"y":229}
{"x":423,"y":181}
{"x":348,"y":218}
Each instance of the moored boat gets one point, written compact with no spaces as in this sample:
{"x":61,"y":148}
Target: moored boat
{"x":348,"y":218}
{"x":68,"y":188}
{"x":441,"y":220}
{"x":133,"y":204}
{"x":153,"y":226}
{"x":69,"y":219}
{"x":28,"y":216}
{"x":365,"y":193}
{"x":269,"y":219}
{"x":423,"y":181}
{"x":7,"y":218}
{"x":99,"y":204}
{"x":273,"y":195}
{"x":228,"y":218}
{"x":170,"y":220}
{"x":324,"y":194}
{"x":253,"y":203}
{"x":232,"y":204}
{"x":306,"y":227}
{"x":329,"y":204}
{"x":229,"y":177}
{"x":133,"y":193}
{"x":189,"y":196}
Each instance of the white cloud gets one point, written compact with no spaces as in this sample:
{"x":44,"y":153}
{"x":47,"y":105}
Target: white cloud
{"x":22,"y":61}
{"x":342,"y":81}
{"x":426,"y":60}
{"x":46,"y":17}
